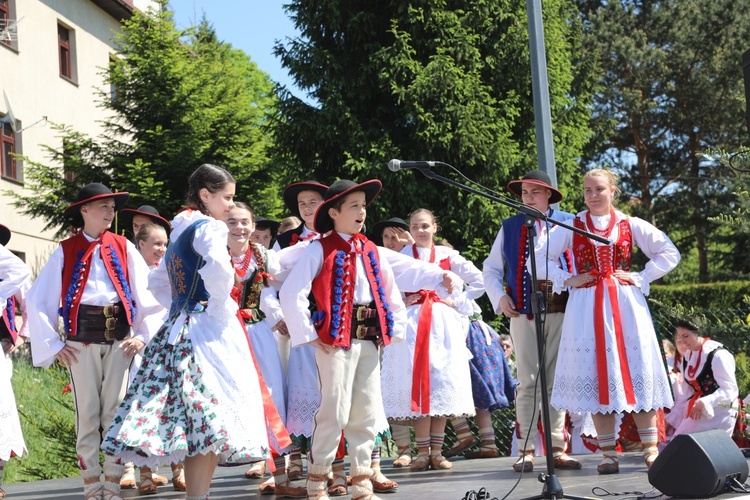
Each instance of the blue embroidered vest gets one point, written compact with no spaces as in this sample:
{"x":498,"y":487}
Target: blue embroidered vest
{"x":183,"y":263}
{"x":512,"y":248}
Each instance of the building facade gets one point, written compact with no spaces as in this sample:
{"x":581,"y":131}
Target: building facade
{"x":52,"y":53}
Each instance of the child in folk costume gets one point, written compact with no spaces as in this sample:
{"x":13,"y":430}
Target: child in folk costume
{"x":609,"y":347}
{"x":507,"y":278}
{"x":254,"y":266}
{"x":14,"y":283}
{"x":302,"y":199}
{"x":428,"y":376}
{"x":108,"y":315}
{"x":303,"y":394}
{"x":709,"y":370}
{"x":359,"y":310}
{"x":393,"y":234}
{"x":196,"y":397}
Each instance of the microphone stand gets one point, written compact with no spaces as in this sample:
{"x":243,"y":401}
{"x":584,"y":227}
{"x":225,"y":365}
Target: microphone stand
{"x":552,"y":488}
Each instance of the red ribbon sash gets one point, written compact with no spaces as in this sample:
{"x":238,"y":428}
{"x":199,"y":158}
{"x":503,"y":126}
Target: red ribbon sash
{"x":273,"y":419}
{"x":609,"y":282}
{"x":420,"y":382}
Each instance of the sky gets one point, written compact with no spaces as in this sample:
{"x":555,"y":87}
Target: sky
{"x":251,"y":25}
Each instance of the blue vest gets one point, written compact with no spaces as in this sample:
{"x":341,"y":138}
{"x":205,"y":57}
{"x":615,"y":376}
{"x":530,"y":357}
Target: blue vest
{"x":511,"y":252}
{"x":183,"y":263}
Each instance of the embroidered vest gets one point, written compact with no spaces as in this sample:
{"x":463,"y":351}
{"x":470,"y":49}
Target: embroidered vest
{"x":75,"y":274}
{"x":603,"y":258}
{"x":8,"y":324}
{"x":285,"y":238}
{"x":705,"y":379}
{"x":333,"y":289}
{"x":249,"y":298}
{"x":515,"y":251}
{"x":183,"y":263}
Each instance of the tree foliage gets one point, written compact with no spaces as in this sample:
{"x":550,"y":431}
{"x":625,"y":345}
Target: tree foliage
{"x":179,"y":99}
{"x":670,"y":89}
{"x":444,"y":80}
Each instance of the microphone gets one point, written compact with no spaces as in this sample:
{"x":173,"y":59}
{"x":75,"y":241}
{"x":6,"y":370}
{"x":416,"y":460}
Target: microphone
{"x":396,"y":165}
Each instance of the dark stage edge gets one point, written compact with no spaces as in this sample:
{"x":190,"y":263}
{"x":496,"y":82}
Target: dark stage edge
{"x":495,"y":475}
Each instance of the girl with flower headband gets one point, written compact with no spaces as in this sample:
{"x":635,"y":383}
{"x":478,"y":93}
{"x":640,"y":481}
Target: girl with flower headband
{"x":609,"y":347}
{"x":428,"y":375}
{"x":97,"y":282}
{"x":196,"y":398}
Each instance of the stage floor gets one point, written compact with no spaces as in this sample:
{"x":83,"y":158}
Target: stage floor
{"x":495,"y":475}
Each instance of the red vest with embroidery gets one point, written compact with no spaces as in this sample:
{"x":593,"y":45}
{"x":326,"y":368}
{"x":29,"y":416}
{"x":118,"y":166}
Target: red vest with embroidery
{"x":604,"y":258}
{"x":334,"y":299}
{"x":114,"y":253}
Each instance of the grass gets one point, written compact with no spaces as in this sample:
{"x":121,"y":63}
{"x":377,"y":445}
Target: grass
{"x":48,"y":423}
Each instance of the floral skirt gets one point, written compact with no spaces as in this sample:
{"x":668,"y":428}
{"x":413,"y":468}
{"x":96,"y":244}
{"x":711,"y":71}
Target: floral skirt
{"x":171,"y":412}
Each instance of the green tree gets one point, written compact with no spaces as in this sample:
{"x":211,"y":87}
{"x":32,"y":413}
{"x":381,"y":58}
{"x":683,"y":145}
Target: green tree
{"x":444,"y":80}
{"x":180,"y":99}
{"x":670,"y":89}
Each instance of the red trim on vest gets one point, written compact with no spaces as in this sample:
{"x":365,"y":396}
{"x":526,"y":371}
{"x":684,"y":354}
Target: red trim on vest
{"x":79,"y":244}
{"x":323,"y":289}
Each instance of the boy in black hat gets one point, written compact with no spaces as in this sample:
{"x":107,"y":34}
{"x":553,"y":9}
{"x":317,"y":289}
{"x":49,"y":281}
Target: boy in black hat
{"x":96,"y":281}
{"x":508,"y":262}
{"x":302,"y":199}
{"x":359,"y":310}
{"x":392,"y":234}
{"x":145,"y":214}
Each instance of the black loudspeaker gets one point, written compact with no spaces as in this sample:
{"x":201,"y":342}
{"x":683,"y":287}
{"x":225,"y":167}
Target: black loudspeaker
{"x":746,"y":72}
{"x":698,"y":465}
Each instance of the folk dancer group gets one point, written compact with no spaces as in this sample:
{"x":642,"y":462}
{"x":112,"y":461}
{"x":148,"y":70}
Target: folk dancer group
{"x":245,"y":354}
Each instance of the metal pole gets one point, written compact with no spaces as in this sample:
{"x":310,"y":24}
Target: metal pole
{"x":545,"y":147}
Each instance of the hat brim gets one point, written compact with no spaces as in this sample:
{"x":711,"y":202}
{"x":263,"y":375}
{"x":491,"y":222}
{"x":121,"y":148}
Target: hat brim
{"x":127,"y":214}
{"x":323,"y":221}
{"x":72,"y":213}
{"x":293,"y":190}
{"x":4,"y":235}
{"x":515,"y":188}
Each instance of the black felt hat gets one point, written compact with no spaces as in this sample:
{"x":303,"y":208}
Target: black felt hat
{"x":338,"y":190}
{"x":263,"y":223}
{"x":378,"y":227}
{"x":540,"y":178}
{"x":87,"y":194}
{"x":152,"y":213}
{"x":4,"y":235}
{"x":292,"y":190}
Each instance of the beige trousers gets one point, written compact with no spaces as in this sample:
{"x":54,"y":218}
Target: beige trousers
{"x":350,"y":393}
{"x":523,"y":334}
{"x":99,"y":380}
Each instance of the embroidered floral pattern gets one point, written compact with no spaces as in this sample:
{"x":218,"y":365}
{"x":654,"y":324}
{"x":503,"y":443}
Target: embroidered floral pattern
{"x":381,"y":293}
{"x":340,"y":267}
{"x":177,"y":282}
{"x":10,"y":309}
{"x":120,"y":275}
{"x":73,"y":289}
